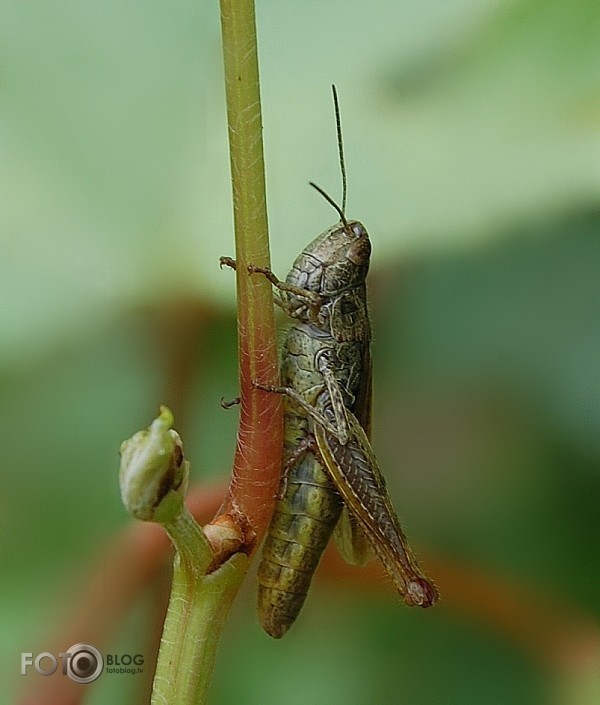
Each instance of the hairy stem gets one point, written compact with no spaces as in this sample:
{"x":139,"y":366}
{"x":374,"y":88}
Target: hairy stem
{"x":258,"y":454}
{"x":199,"y":601}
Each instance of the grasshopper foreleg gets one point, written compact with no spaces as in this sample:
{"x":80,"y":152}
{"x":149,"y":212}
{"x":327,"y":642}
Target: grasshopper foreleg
{"x":277,"y":299}
{"x":311,"y":299}
{"x":227,"y":262}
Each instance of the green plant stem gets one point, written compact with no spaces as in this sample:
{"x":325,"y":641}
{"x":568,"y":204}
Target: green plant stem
{"x":257,"y":460}
{"x":200,"y":603}
{"x":245,"y":137}
{"x":198,"y":608}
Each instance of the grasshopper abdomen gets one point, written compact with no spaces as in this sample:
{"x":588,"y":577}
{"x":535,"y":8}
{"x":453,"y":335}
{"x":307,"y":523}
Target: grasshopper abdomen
{"x":301,"y":527}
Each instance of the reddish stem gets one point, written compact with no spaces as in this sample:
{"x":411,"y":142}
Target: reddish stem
{"x":257,"y":464}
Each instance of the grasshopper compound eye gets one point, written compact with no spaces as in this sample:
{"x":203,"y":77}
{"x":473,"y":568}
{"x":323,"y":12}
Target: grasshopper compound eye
{"x":359,"y":252}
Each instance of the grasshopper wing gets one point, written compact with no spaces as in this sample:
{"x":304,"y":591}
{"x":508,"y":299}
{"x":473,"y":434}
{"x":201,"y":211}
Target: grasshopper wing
{"x":349,"y":538}
{"x":355,"y":472}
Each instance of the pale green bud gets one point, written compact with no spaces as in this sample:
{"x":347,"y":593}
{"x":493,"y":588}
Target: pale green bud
{"x":154,"y":472}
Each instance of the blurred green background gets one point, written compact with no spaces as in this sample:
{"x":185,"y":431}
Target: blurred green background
{"x":472,"y":143}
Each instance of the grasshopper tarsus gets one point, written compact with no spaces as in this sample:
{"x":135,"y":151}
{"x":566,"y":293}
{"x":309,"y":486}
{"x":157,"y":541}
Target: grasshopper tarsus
{"x":228,"y":404}
{"x":227,"y":262}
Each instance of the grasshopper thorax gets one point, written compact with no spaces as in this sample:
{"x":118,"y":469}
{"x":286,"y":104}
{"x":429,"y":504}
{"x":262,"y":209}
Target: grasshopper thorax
{"x":334,"y":266}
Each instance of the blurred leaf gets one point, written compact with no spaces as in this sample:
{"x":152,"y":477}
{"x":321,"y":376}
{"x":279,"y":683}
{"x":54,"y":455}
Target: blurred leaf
{"x":116,"y":176}
{"x":487,"y":402}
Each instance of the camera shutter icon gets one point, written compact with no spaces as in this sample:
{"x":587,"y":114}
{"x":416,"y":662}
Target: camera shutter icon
{"x":85,"y":663}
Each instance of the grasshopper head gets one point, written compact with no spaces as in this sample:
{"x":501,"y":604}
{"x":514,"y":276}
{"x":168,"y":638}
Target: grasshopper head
{"x":341,"y":255}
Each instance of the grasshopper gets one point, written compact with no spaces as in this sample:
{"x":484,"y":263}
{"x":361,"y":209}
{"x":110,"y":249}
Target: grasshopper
{"x":331,"y":482}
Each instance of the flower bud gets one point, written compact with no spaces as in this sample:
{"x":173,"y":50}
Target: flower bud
{"x":154,"y":472}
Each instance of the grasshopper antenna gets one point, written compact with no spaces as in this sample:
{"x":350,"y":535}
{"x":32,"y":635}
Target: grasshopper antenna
{"x":331,"y":202}
{"x":338,"y":127}
{"x":326,"y":196}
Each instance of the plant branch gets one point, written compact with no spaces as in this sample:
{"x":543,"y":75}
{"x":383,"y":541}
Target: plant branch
{"x":210,"y":565}
{"x":257,"y":461}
